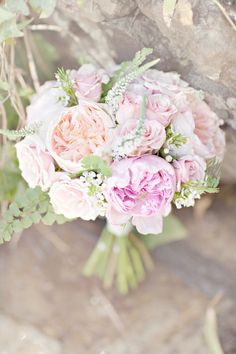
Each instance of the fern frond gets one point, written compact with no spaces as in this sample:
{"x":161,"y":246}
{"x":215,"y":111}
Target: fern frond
{"x":29,"y":208}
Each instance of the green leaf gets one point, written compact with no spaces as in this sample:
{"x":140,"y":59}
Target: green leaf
{"x":14,"y":209}
{"x":8,"y":26}
{"x":5,"y":15}
{"x":27,"y":222}
{"x":45,"y":8}
{"x":8,"y":184}
{"x":29,"y":207}
{"x":17,"y":6}
{"x":96,"y":163}
{"x":173,"y":230}
{"x":17,"y":226}
{"x":49,"y":218}
{"x":168,"y":11}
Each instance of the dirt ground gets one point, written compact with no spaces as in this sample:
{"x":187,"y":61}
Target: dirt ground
{"x":47,"y":307}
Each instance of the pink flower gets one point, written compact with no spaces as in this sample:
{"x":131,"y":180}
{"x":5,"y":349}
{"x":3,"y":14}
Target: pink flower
{"x":211,"y":138}
{"x":130,"y":105}
{"x":35,"y":163}
{"x":153,"y":138}
{"x":69,"y":198}
{"x":140,"y":189}
{"x":88,"y":82}
{"x":159,"y":106}
{"x":80,"y":131}
{"x":189,"y":168}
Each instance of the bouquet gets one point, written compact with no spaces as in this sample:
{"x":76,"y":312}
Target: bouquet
{"x":125,"y":145}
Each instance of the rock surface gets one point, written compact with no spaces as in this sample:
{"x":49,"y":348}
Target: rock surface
{"x":200,"y":44}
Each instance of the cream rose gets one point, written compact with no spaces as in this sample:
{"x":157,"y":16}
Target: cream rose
{"x":79,"y":131}
{"x":36,"y":165}
{"x":69,"y":198}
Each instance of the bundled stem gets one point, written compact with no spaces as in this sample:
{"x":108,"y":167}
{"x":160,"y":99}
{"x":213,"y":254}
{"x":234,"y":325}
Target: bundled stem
{"x":122,"y":260}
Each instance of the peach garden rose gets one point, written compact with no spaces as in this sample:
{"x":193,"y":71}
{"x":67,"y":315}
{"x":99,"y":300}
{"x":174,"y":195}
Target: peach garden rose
{"x":79,"y":131}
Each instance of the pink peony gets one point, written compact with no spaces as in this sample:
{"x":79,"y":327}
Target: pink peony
{"x":80,"y":131}
{"x":189,"y":168}
{"x":35,"y":163}
{"x":153,"y":138}
{"x":68,"y":197}
{"x":88,"y":82}
{"x":140,"y":189}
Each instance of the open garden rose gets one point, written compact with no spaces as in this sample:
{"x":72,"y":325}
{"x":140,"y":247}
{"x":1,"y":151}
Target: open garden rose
{"x":79,"y":131}
{"x":188,"y":168}
{"x":69,"y":198}
{"x":88,"y":82}
{"x":36,"y":164}
{"x":153,"y":138}
{"x":140,"y":189}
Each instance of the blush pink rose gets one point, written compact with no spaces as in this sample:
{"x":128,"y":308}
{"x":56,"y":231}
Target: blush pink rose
{"x":210,"y":140}
{"x":79,"y":131}
{"x":159,"y":106}
{"x":140,"y":189}
{"x":36,"y":164}
{"x":130,"y":105}
{"x":189,"y":168}
{"x":153,"y":137}
{"x":69,"y":198}
{"x":88,"y":82}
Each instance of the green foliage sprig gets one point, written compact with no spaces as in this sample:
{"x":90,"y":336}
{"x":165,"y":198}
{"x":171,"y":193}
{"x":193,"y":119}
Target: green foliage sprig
{"x":67,"y":85}
{"x":21,"y":133}
{"x":28,"y":208}
{"x":10,"y":26}
{"x":97,"y":164}
{"x":175,"y":139}
{"x":127,"y":73}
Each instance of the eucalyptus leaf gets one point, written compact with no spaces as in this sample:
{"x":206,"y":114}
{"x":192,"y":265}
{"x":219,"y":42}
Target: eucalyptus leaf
{"x":17,"y":6}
